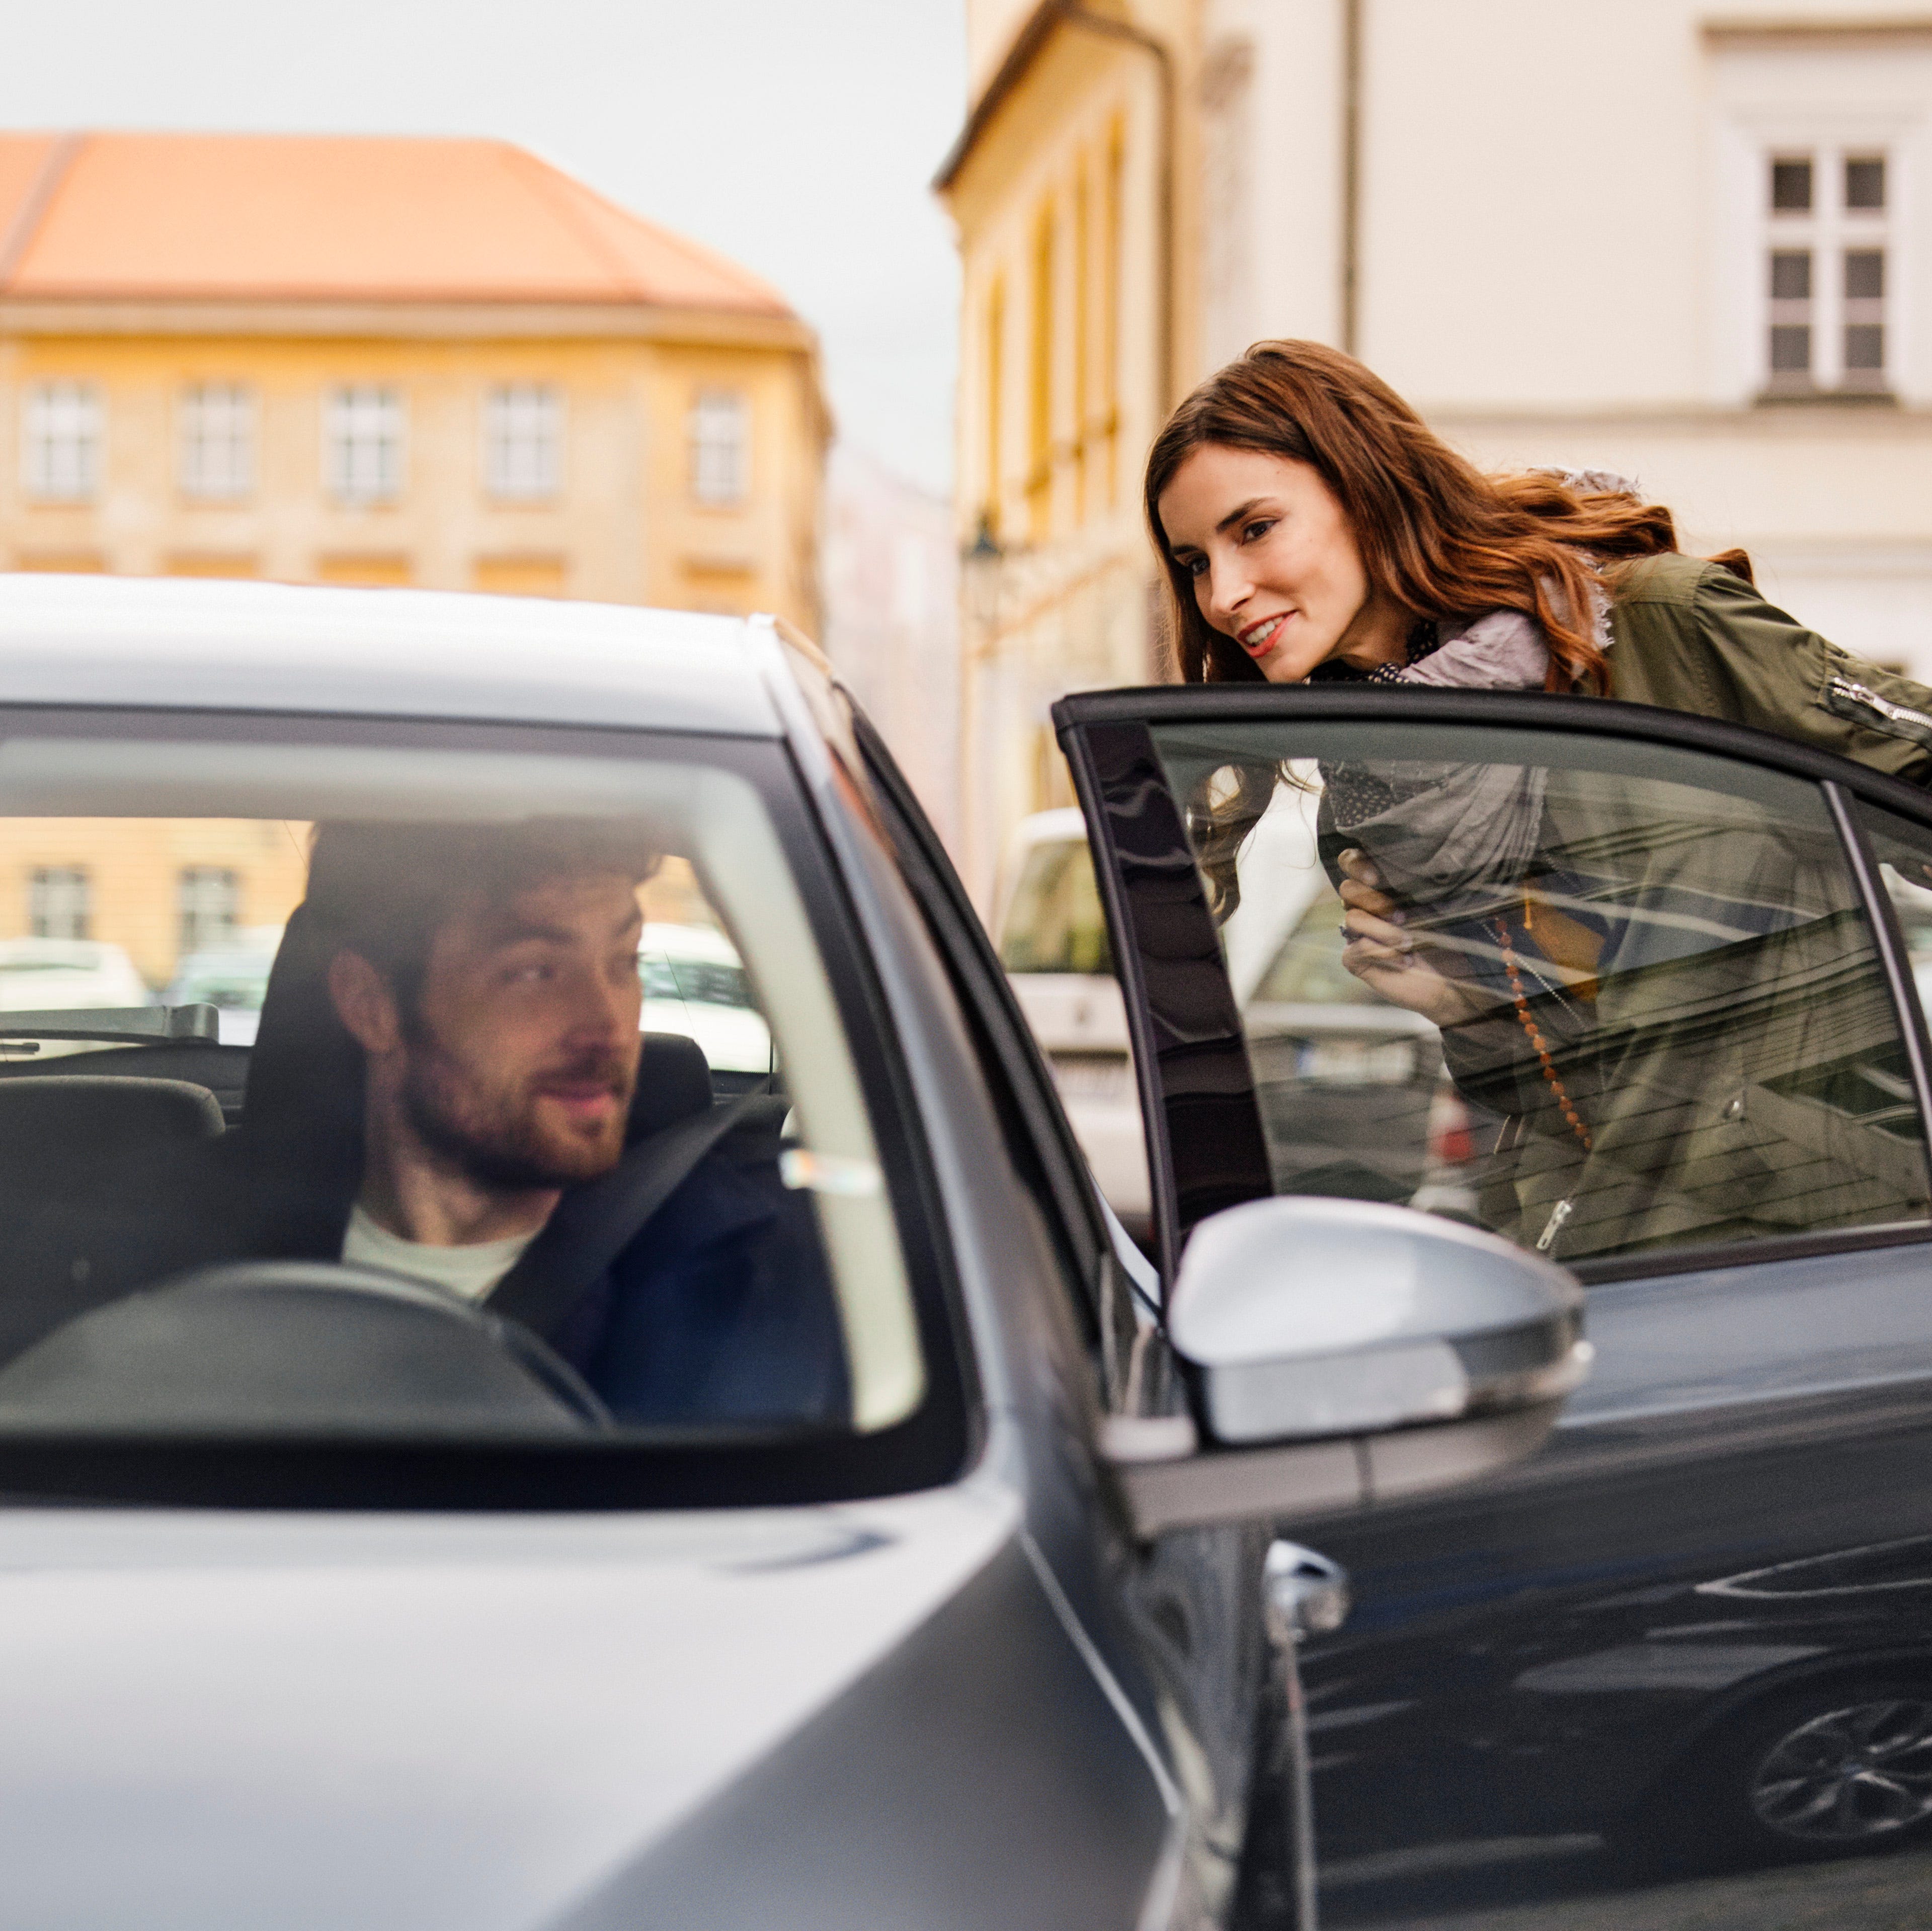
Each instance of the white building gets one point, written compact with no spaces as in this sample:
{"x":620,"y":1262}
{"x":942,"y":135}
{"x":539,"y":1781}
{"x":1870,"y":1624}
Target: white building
{"x":1661,"y":238}
{"x":889,"y":574}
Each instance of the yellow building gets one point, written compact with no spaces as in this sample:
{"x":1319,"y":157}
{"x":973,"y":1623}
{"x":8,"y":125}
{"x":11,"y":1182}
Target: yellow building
{"x":345,"y":360}
{"x":434,"y":362}
{"x":1069,"y":187}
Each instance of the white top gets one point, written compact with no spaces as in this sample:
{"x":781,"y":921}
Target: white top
{"x":467,"y":1272}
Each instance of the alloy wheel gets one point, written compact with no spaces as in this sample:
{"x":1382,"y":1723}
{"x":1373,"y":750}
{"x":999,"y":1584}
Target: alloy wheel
{"x":1848,"y":1775}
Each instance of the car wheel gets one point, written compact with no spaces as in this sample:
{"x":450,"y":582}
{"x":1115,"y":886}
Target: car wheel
{"x":1831,"y":1770}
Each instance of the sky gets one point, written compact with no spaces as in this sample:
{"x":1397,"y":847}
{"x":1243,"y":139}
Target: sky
{"x":798,"y":137}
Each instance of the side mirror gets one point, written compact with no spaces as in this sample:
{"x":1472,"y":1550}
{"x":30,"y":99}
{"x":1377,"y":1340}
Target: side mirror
{"x":1342,"y":1353}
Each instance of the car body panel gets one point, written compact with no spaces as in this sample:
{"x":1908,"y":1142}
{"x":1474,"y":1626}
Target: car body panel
{"x":190,"y":644}
{"x":428,"y":1721}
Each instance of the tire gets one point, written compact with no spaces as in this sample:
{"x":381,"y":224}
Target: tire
{"x":1838,"y":1769}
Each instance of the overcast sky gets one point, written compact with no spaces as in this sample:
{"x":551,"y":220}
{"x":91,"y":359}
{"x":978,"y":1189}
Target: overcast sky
{"x":797,"y":136}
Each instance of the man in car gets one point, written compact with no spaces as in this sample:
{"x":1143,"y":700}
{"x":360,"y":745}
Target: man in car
{"x":441,"y":1088}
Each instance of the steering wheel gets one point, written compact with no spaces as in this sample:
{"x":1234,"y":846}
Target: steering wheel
{"x":296,"y":1347}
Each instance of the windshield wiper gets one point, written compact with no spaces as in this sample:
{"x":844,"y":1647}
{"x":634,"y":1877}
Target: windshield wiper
{"x":137,"y":1025}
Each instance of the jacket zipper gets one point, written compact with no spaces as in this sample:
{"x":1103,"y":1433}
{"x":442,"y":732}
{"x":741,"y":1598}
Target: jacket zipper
{"x":1898,"y":714}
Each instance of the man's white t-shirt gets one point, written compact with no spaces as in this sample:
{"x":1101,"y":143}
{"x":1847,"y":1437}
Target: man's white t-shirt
{"x":467,"y":1272}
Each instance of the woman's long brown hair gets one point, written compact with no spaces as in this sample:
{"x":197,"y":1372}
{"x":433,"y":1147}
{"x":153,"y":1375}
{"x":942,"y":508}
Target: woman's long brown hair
{"x":1436,"y":535}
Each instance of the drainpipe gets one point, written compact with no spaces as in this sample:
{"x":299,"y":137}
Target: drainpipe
{"x":1073,"y":14}
{"x":1351,"y":174}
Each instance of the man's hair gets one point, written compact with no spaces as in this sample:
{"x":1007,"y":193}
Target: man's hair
{"x":386,"y":890}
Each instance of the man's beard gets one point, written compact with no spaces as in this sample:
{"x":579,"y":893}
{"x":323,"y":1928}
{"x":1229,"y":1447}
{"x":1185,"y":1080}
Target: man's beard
{"x":493,"y":1137}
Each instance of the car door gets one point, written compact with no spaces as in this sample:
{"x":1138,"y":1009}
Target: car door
{"x":1637,"y":991}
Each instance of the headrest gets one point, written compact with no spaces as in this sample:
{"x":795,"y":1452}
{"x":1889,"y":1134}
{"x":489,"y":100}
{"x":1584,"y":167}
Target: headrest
{"x":673,"y":1083}
{"x":59,"y":1129}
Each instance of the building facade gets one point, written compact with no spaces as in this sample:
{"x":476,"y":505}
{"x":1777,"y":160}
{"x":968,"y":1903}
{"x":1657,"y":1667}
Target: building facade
{"x":432,"y":363}
{"x":891,"y":570}
{"x":439,"y":363}
{"x":1070,"y":196}
{"x":1689,"y":245}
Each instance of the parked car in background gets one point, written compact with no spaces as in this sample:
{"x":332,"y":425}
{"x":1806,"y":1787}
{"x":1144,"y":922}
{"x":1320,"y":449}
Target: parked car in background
{"x":45,"y":975}
{"x":1356,"y":1101}
{"x":695,"y":984}
{"x":233,"y":979}
{"x":1052,"y":940}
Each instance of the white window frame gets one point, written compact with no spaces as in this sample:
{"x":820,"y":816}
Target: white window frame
{"x":1829,"y":232}
{"x":208,"y":906}
{"x":1827,"y":94}
{"x":720,"y":431}
{"x":62,"y":426}
{"x":60,"y":901}
{"x":522,"y":442}
{"x":217,"y":443}
{"x":365,"y":442}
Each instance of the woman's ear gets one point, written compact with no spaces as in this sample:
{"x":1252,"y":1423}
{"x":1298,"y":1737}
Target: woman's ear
{"x":365,"y":1004}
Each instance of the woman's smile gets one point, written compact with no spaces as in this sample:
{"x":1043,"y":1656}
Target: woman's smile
{"x":1259,"y":639}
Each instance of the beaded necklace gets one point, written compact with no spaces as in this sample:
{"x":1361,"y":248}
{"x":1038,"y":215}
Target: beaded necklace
{"x":1499,"y":928}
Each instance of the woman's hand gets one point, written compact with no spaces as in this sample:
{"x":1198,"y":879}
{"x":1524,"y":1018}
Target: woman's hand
{"x":1386,"y":959}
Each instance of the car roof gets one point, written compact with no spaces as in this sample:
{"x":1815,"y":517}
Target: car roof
{"x":195,"y":644}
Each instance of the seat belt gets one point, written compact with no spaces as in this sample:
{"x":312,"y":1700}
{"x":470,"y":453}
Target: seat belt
{"x":595,"y":1223}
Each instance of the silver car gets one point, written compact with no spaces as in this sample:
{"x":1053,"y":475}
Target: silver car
{"x":328,"y":1598}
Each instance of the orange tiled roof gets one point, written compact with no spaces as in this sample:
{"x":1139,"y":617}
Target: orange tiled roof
{"x":297,"y":218}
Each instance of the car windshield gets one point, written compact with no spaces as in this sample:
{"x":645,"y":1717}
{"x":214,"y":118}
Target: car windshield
{"x":542,"y":1127}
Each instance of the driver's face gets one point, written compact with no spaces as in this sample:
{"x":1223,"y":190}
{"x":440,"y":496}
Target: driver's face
{"x":522,"y":1060}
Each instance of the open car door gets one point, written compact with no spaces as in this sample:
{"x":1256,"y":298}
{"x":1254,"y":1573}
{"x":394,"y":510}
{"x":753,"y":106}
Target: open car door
{"x":1634,"y":993}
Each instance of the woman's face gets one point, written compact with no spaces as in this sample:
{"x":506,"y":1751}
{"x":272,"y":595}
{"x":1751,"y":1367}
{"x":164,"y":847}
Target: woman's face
{"x":1274,"y":565}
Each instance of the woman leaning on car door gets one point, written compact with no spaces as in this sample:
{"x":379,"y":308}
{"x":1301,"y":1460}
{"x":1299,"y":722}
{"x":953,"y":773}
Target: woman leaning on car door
{"x":1313,"y":528}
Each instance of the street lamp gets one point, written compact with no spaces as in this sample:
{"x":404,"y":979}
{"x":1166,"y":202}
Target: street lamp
{"x":982,"y":569}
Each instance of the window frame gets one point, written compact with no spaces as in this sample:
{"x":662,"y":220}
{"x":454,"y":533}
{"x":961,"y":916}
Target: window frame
{"x":243,"y":435}
{"x":1210,"y":1085}
{"x":928,"y":1449}
{"x":76,"y":879}
{"x":703,"y":447}
{"x":339,"y":403}
{"x":76,"y":394}
{"x":1828,"y":233}
{"x":505,"y":432}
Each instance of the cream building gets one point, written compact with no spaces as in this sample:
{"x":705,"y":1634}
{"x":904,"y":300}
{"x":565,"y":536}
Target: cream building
{"x":1685,"y":242}
{"x":351,"y":359}
{"x":378,"y":362}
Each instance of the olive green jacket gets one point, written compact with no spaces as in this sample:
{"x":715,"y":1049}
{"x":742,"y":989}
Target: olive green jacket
{"x":1691,"y":636}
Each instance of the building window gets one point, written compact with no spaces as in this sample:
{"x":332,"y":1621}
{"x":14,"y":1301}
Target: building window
{"x":363,"y":443}
{"x":523,"y":440}
{"x":209,"y":898}
{"x":720,"y":439}
{"x":1827,"y":272}
{"x":217,"y":440}
{"x":61,"y":441}
{"x":60,"y":902}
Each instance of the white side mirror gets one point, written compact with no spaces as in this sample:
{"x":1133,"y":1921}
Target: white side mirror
{"x":1376,"y":1350}
{"x":1335,"y":1317}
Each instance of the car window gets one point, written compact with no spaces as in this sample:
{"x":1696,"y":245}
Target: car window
{"x":534,"y":972}
{"x":1602,"y":999}
{"x":1904,"y":854}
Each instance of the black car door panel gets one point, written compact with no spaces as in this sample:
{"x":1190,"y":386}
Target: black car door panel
{"x":1645,"y":997}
